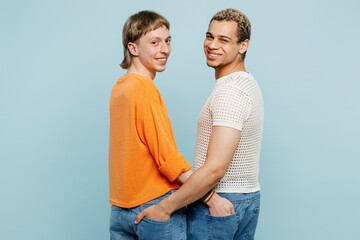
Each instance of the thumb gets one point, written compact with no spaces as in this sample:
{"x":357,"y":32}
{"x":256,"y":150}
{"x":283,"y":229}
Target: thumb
{"x":139,"y":217}
{"x":232,"y":210}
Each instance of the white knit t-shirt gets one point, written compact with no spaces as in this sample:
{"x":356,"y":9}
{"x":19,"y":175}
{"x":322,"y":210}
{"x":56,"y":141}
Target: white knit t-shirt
{"x":235,"y":102}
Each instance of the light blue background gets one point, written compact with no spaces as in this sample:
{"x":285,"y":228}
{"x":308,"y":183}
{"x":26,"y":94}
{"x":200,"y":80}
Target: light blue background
{"x":60,"y":59}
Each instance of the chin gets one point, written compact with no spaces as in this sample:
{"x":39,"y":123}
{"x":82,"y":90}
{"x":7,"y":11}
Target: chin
{"x":160,"y":69}
{"x":213,"y":65}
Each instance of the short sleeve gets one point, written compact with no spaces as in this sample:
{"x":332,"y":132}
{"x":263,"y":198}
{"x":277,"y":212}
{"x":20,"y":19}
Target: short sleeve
{"x":230,"y":106}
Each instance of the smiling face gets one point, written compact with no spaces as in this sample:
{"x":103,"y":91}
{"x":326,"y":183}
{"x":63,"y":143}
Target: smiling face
{"x":151,"y":51}
{"x":221,"y":47}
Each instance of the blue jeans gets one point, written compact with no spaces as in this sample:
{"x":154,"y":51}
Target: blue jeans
{"x":122,"y":224}
{"x":241,"y":225}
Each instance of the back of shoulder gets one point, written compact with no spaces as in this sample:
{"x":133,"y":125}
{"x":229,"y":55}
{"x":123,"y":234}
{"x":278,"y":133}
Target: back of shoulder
{"x":246,"y":82}
{"x":133,"y":86}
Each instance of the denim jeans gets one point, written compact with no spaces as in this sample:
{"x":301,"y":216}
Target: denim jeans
{"x":122,"y":224}
{"x":241,"y":225}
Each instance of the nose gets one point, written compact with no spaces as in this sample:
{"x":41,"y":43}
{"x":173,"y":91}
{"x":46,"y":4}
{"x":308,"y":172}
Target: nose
{"x":165,"y":48}
{"x":212,"y":44}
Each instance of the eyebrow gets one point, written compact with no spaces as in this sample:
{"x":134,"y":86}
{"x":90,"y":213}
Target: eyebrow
{"x":221,"y":36}
{"x":157,"y":37}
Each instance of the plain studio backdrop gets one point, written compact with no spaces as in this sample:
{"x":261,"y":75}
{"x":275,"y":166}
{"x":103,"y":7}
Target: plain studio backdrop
{"x":60,"y":59}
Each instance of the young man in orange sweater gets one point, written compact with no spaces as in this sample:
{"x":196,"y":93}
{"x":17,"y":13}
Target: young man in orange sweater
{"x":144,"y":163}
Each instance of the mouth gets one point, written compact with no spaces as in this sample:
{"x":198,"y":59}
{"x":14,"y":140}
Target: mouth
{"x":161,"y":60}
{"x":212,"y":56}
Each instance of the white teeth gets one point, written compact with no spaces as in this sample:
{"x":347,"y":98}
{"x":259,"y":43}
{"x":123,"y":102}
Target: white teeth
{"x":213,"y":55}
{"x":162,"y":59}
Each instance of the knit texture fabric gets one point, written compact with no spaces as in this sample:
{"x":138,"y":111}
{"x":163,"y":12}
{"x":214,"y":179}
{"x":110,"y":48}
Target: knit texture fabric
{"x":144,"y":161}
{"x":235,"y":102}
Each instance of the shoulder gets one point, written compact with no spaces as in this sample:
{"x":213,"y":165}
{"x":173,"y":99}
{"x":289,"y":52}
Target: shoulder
{"x":242,"y":83}
{"x":234,"y":83}
{"x":241,"y":80}
{"x":139,"y":87}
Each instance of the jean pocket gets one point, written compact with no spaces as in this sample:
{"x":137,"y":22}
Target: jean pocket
{"x":150,"y":229}
{"x":221,"y":227}
{"x":149,"y":220}
{"x":221,"y":217}
{"x":251,"y":227}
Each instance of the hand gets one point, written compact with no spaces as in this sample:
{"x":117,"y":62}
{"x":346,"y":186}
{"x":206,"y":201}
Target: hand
{"x":220,"y":207}
{"x":158,"y":212}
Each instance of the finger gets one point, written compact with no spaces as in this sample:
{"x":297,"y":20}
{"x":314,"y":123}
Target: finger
{"x":232,"y":210}
{"x":139,"y":217}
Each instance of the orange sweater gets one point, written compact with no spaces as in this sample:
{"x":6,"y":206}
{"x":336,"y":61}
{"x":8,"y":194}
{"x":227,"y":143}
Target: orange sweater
{"x":143,"y":158}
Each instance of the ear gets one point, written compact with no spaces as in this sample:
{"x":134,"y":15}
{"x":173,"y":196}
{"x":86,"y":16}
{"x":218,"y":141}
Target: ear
{"x":244,"y":45}
{"x":133,"y":49}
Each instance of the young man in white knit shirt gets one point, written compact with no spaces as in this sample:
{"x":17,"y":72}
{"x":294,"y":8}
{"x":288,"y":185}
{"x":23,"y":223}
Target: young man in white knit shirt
{"x":228,"y":141}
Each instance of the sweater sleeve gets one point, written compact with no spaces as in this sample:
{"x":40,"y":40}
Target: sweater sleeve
{"x":155,"y":131}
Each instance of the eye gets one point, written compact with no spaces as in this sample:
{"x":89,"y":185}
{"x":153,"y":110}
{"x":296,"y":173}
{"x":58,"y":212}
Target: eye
{"x":168,"y":40}
{"x":154,"y":42}
{"x":224,"y":40}
{"x":209,"y":37}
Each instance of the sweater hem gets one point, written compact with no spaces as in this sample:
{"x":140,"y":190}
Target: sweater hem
{"x":142,"y":201}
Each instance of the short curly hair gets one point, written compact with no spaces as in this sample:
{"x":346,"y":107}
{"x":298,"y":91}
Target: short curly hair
{"x":243,"y":23}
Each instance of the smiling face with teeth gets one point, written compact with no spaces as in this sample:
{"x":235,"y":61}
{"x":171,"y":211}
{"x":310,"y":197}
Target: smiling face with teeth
{"x":222,"y":50}
{"x":150,"y":52}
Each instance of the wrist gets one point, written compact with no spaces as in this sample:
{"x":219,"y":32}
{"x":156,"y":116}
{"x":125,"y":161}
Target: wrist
{"x":213,"y":200}
{"x":166,"y":206}
{"x":207,"y":197}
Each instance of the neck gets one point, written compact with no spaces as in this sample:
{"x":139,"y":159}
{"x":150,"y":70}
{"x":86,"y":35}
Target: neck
{"x":141,"y":70}
{"x":226,"y":70}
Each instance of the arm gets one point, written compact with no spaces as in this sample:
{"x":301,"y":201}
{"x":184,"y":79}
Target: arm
{"x":184,"y":176}
{"x":155,"y":131}
{"x":223,"y":143}
{"x":218,"y":206}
